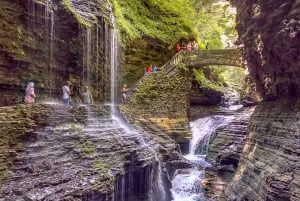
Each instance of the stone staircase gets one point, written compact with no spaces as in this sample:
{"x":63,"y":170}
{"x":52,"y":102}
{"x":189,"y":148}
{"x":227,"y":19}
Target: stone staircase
{"x":166,"y":68}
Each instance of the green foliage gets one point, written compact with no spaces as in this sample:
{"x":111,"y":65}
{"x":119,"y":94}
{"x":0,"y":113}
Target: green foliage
{"x":80,"y":19}
{"x":215,"y":20}
{"x":205,"y":82}
{"x":217,"y":77}
{"x":234,"y":77}
{"x":100,"y":166}
{"x":146,"y":91}
{"x":87,"y":148}
{"x":182,"y":67}
{"x":76,"y":129}
{"x":165,"y":20}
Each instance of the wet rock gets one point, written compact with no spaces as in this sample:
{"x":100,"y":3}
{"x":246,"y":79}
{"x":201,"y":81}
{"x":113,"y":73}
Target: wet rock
{"x":270,"y":158}
{"x":67,"y":160}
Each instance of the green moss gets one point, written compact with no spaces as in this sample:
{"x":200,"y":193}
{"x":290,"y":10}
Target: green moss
{"x":165,"y":20}
{"x":100,"y":166}
{"x":147,"y":91}
{"x":88,"y":148}
{"x":76,"y":129}
{"x":83,"y":21}
{"x":205,"y":82}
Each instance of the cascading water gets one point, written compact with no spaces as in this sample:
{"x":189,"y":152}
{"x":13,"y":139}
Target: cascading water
{"x":190,"y":187}
{"x":38,"y":11}
{"x":158,"y":189}
{"x":86,"y":55}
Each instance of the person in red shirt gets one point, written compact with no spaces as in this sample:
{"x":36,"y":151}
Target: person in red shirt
{"x":178,"y":48}
{"x":149,"y":69}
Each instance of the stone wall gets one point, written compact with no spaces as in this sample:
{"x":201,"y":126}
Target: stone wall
{"x":49,"y":42}
{"x":162,"y":102}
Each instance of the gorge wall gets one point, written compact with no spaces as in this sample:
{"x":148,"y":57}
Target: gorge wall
{"x":49,"y":42}
{"x":269,"y":166}
{"x":53,"y":152}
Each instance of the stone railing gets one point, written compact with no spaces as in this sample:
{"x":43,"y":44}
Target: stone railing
{"x":196,"y":59}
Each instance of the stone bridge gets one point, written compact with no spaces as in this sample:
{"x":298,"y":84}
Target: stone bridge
{"x":164,"y":100}
{"x":200,"y":58}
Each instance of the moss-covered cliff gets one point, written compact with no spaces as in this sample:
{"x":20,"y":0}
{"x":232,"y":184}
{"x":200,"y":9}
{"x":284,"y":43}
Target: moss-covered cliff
{"x":149,"y":30}
{"x":51,"y":42}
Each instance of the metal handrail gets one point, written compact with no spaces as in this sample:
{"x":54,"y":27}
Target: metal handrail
{"x":173,"y":61}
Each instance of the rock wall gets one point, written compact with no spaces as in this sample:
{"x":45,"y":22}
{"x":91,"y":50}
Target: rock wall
{"x":226,"y":144}
{"x":52,"y":152}
{"x":270,"y":168}
{"x":49,"y":42}
{"x":270,"y":34}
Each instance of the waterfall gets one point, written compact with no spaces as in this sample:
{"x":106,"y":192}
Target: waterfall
{"x":41,"y":18}
{"x":114,"y":59}
{"x":202,"y":130}
{"x":51,"y":65}
{"x":86,"y":55}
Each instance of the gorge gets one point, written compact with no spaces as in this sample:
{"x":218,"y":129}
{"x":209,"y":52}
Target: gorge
{"x":137,"y":151}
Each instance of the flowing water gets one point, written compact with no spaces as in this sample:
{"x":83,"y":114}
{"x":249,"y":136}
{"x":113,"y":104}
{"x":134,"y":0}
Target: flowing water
{"x":187,"y":184}
{"x":42,"y":20}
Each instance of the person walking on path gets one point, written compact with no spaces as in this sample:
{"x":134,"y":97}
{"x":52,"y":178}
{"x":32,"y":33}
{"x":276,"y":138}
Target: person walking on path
{"x":66,"y":93}
{"x":29,"y":94}
{"x":149,"y":69}
{"x":154,"y":69}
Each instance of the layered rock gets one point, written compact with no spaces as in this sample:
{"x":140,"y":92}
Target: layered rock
{"x":270,"y":34}
{"x":50,"y":155}
{"x":224,"y":152}
{"x":269,"y":168}
{"x":227,"y":142}
{"x":49,"y":42}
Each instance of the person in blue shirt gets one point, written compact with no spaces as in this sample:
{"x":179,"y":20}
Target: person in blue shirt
{"x":154,"y":69}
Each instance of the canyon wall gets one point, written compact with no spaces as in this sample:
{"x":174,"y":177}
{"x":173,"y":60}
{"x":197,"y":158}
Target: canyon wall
{"x":53,"y":152}
{"x":270,"y":34}
{"x":50,"y":42}
{"x":269,"y":166}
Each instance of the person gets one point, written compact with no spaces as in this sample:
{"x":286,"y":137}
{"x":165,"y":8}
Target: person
{"x":29,"y":94}
{"x":194,"y":45}
{"x":178,"y":48}
{"x":87,"y":97}
{"x":206,"y":46}
{"x":66,"y":93}
{"x":145,"y":71}
{"x":228,"y":45}
{"x":149,"y":69}
{"x":154,"y":69}
{"x":124,"y":93}
{"x":189,"y":47}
